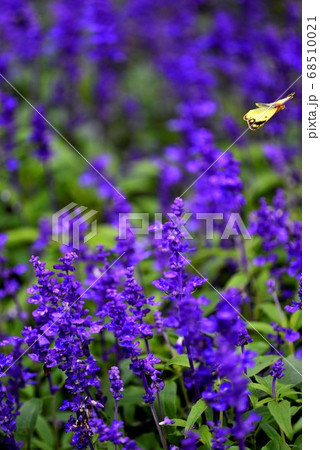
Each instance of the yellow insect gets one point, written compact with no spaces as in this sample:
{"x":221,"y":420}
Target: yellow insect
{"x":257,"y":117}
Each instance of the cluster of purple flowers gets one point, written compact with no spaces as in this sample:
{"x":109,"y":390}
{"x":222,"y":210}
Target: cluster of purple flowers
{"x":115,"y":72}
{"x":116,"y":384}
{"x":127,"y":311}
{"x":280,"y":336}
{"x":277,"y":372}
{"x":39,"y":138}
{"x":185,"y":310}
{"x":64,"y":329}
{"x":13,"y":377}
{"x":229,"y":365}
{"x":61,"y":319}
{"x":217,"y":355}
{"x":114,"y":203}
{"x":8,"y":129}
{"x":11,"y":281}
{"x":20,"y":33}
{"x":281,"y":239}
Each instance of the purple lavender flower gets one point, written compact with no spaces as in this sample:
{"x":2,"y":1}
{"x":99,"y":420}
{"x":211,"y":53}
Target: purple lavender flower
{"x":244,"y":337}
{"x":277,"y":231}
{"x":40,"y":136}
{"x":281,"y":335}
{"x":185,"y":313}
{"x":114,"y":434}
{"x":167,"y":421}
{"x":229,"y":365}
{"x":65,"y":43}
{"x":8,"y":125}
{"x":282,"y":158}
{"x":14,"y":377}
{"x":277,"y":372}
{"x":116,"y":203}
{"x":220,"y":435}
{"x":104,"y":45}
{"x":126,"y":311}
{"x":20,"y":30}
{"x":11,"y":281}
{"x":44,"y":235}
{"x":295,"y":306}
{"x":8,"y":411}
{"x":116,"y":384}
{"x":61,"y":339}
{"x":220,"y":189}
{"x":133,"y":295}
{"x":190,"y":441}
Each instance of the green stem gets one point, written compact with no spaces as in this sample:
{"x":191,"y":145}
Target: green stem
{"x":184,"y":391}
{"x":115,"y":417}
{"x":155,"y":417}
{"x":165,"y":337}
{"x":291,"y":347}
{"x":154,"y":414}
{"x":278,"y":306}
{"x":53,"y":409}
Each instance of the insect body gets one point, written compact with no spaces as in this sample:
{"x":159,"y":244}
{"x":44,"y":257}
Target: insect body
{"x":257,"y":117}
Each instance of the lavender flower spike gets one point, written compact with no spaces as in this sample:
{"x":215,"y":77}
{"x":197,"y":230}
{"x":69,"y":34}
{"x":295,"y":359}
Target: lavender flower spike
{"x":116,"y":384}
{"x":277,"y":371}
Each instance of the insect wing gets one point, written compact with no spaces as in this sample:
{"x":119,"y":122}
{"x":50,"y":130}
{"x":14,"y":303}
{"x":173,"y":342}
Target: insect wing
{"x":282,"y":101}
{"x":256,"y":118}
{"x":264,"y":105}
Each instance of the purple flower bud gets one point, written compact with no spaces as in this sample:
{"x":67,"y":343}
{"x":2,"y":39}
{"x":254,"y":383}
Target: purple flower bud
{"x":116,"y":384}
{"x":277,"y":370}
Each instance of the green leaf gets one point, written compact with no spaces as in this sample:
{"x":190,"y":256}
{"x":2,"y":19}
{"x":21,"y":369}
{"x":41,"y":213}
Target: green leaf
{"x":105,"y":234}
{"x":126,"y":374}
{"x":297,"y":426}
{"x":236,"y":447}
{"x":261,"y":363}
{"x":65,"y":441}
{"x":27,"y":419}
{"x":271,"y":311}
{"x":260,"y":387}
{"x":296,"y":320}
{"x":205,"y":435}
{"x":293,"y":369}
{"x":295,"y":409}
{"x":298,"y":443}
{"x":265,"y":381}
{"x":178,"y":423}
{"x":40,"y":445}
{"x":282,"y":415}
{"x":262,"y":402}
{"x":21,"y":236}
{"x":276,"y":444}
{"x":147,"y":441}
{"x":195,"y":412}
{"x":44,"y":431}
{"x":283,"y":389}
{"x":214,"y":253}
{"x":270,"y":431}
{"x":132,"y":395}
{"x":179,"y":360}
{"x":239,"y":280}
{"x":265,"y":183}
{"x":261,"y":327}
{"x":168,"y":397}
